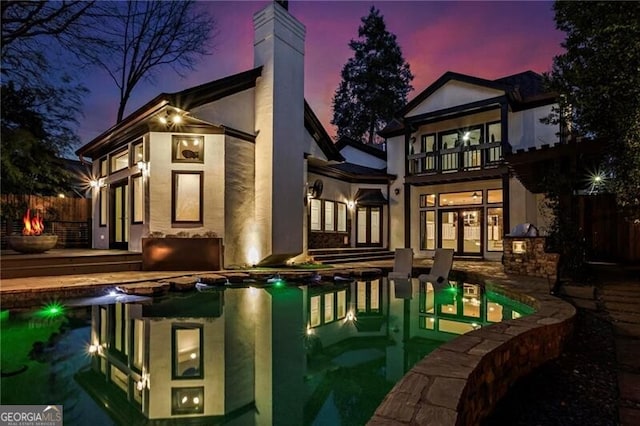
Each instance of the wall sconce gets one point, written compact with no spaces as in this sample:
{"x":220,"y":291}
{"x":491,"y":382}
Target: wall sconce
{"x":144,"y":381}
{"x":351,"y":204}
{"x":98,"y":183}
{"x":396,"y":191}
{"x":474,"y":195}
{"x":171,"y":117}
{"x":518,"y":246}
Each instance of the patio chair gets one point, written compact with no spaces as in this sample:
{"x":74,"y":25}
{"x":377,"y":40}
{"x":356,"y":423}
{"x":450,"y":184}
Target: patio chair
{"x":402,"y":288}
{"x":402,"y":264}
{"x":439,"y":273}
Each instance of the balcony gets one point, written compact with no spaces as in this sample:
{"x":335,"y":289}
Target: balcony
{"x":457,"y":159}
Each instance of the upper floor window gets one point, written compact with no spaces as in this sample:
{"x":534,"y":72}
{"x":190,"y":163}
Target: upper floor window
{"x":188,"y":149}
{"x":119,"y":160}
{"x":138,"y":152}
{"x":103,"y":167}
{"x":494,"y":132}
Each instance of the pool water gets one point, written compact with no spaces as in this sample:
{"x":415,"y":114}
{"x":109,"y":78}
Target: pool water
{"x":322,"y":354}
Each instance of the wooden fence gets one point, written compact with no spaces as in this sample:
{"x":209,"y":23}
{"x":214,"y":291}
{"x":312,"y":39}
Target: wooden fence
{"x":69,"y":218}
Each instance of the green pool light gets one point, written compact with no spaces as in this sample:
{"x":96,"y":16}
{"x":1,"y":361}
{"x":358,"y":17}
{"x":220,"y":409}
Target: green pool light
{"x":52,"y":310}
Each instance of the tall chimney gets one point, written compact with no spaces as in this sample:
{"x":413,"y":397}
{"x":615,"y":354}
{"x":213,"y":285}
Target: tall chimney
{"x":279,"y":154}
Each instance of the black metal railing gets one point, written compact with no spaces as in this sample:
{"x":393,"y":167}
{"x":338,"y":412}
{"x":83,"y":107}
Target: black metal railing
{"x":70,"y":234}
{"x":460,"y":158}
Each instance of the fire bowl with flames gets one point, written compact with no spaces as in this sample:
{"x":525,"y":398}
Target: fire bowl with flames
{"x":32,"y":240}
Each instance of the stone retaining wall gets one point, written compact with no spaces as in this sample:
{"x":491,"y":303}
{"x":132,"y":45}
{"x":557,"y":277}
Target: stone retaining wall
{"x":460,"y":382}
{"x":533,"y":262}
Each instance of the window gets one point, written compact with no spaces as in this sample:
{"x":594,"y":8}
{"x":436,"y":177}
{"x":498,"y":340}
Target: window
{"x":427,"y":200}
{"x":494,"y":132}
{"x":328,"y":308}
{"x":494,"y":196}
{"x":428,"y":230}
{"x":138,"y":344}
{"x":119,"y":160}
{"x":138,"y":199}
{"x":428,"y":143}
{"x":329,"y":224}
{"x":342,"y":217}
{"x":494,"y":228}
{"x":119,"y":378}
{"x":138,"y":152}
{"x":314,"y":311}
{"x":103,"y":167}
{"x":341,"y":306}
{"x":187,"y":194}
{"x":187,"y":400}
{"x":315,"y":215}
{"x":103,"y":206}
{"x":187,"y":352}
{"x":188,"y":149}
{"x":461,"y":198}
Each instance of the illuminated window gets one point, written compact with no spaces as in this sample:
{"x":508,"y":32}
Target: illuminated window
{"x":103,"y":167}
{"x":494,"y":228}
{"x":314,"y":311}
{"x":461,"y":198}
{"x":188,"y":149}
{"x":341,"y":307}
{"x":427,"y":200}
{"x":138,"y":199}
{"x":329,"y":224}
{"x":138,"y":344}
{"x":103,"y":206}
{"x":187,"y":194}
{"x":494,"y":196}
{"x":315,"y":215}
{"x":138,"y":152}
{"x":328,"y":307}
{"x":428,"y":230}
{"x":119,"y":160}
{"x":187,"y":400}
{"x":342,"y":217}
{"x":187,"y":352}
{"x":119,"y":378}
{"x":494,"y":132}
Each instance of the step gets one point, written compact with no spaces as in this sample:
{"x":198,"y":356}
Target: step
{"x":345,"y":256}
{"x":362,"y":258}
{"x":69,"y":269}
{"x":18,"y":261}
{"x":323,"y":251}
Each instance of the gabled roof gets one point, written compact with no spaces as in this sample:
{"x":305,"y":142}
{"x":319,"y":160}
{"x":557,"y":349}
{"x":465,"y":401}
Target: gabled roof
{"x":366,"y":148}
{"x":320,"y":135}
{"x":352,"y":173}
{"x":184,"y":100}
{"x":522,"y":90}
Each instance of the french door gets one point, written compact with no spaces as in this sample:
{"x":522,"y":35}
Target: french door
{"x":119,"y":223}
{"x":461,"y":230}
{"x":369,"y":226}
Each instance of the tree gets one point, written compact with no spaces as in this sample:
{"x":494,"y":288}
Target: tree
{"x":375,"y":82}
{"x":39,"y":101}
{"x":26,"y":28}
{"x":598,"y":78}
{"x":35,"y":133}
{"x":136,"y":39}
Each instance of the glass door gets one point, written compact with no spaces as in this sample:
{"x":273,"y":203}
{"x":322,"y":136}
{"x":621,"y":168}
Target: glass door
{"x":120,"y":216}
{"x":461,"y":230}
{"x":369,"y":226}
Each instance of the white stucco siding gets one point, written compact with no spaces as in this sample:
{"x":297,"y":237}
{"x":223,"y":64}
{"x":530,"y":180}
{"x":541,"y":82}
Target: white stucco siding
{"x":239,"y":194}
{"x":523,"y":205}
{"x":356,"y":156}
{"x":235,"y":111}
{"x":395,"y":166}
{"x":526,"y":130}
{"x":160,"y":361}
{"x":160,"y":193}
{"x":451,"y":94}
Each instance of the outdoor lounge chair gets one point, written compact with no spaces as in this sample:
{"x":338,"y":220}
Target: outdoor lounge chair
{"x":439,"y":273}
{"x":402,"y":264}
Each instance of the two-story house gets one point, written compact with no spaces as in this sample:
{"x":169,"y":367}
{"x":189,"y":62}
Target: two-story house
{"x":448,"y":145}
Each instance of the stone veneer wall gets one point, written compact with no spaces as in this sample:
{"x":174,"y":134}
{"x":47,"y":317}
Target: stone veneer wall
{"x":534,"y":262}
{"x":461,"y":381}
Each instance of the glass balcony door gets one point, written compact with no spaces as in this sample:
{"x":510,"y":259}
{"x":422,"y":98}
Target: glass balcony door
{"x":461,"y":230}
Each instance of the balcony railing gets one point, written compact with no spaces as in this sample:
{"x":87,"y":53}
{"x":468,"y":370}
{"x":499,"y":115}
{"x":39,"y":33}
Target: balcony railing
{"x":460,"y":158}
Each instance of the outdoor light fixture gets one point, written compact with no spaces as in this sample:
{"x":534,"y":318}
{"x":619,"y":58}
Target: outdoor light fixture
{"x":144,"y":168}
{"x":466,"y":135}
{"x":518,"y":247}
{"x":171,"y":117}
{"x":351,"y":204}
{"x":396,"y":191}
{"x":98,"y":183}
{"x":474,"y":195}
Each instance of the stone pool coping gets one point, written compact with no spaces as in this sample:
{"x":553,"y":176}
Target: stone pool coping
{"x":460,"y":382}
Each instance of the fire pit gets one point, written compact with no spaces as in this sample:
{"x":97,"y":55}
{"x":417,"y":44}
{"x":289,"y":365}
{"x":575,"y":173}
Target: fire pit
{"x":32,"y":239}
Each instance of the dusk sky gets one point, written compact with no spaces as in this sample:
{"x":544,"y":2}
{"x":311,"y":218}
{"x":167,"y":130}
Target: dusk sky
{"x":484,"y":39}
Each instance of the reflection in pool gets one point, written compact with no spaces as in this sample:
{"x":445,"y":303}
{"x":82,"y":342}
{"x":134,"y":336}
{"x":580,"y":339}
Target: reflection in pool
{"x":286,"y":355}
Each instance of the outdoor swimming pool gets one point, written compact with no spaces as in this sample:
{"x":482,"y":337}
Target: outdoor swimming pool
{"x":290,"y":354}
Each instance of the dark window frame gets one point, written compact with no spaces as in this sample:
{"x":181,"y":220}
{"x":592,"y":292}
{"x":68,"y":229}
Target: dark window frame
{"x":133,"y":160}
{"x":118,"y":153}
{"x":174,"y":328}
{"x":174,"y":194}
{"x":175,"y":141}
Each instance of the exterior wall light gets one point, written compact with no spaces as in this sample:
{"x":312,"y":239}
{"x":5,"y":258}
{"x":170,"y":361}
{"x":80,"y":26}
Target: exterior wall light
{"x":351,"y":204}
{"x":518,"y":247}
{"x":144,"y":168}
